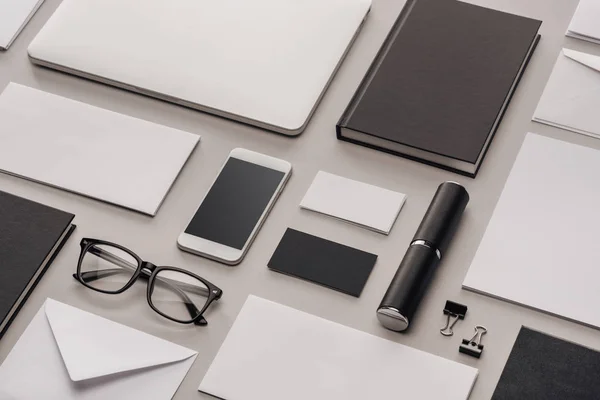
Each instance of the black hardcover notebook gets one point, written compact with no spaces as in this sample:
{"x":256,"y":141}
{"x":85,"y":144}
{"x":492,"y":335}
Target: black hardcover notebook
{"x":31,"y":235}
{"x":324,"y":262}
{"x":439,"y":86}
{"x":548,"y":368}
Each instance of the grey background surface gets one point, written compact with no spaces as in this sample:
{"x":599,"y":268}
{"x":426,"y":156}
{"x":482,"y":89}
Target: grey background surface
{"x":154,"y":239}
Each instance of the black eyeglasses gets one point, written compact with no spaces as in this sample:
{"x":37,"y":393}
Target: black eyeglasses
{"x":174,"y":293}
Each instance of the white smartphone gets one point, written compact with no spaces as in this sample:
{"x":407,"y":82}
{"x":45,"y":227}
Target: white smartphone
{"x":235,"y":206}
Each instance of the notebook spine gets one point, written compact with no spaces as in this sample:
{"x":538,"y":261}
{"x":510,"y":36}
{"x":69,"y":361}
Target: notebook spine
{"x":374,"y":67}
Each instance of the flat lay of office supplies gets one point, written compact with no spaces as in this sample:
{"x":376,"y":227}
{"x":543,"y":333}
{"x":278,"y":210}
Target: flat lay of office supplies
{"x":229,"y":246}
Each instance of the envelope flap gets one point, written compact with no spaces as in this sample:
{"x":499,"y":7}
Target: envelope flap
{"x":588,"y":60}
{"x":92,"y":346}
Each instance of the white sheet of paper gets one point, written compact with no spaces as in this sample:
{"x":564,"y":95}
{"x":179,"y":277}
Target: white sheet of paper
{"x":69,"y":354}
{"x":585,"y":24}
{"x":274,"y":352}
{"x":571,"y":99}
{"x":360,"y":203}
{"x":14,"y":15}
{"x":540,"y":247}
{"x":88,"y":150}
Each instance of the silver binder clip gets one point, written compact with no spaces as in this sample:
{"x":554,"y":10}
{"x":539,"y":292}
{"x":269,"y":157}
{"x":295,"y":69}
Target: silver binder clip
{"x":473,"y":347}
{"x":454,"y":311}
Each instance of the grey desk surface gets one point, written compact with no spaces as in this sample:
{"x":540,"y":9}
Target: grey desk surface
{"x":316,"y":149}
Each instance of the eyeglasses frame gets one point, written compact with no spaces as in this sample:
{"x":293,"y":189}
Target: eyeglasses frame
{"x":214,"y":293}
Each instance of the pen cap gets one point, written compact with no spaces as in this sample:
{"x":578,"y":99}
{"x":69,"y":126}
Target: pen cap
{"x":401,"y":300}
{"x":443,"y":215}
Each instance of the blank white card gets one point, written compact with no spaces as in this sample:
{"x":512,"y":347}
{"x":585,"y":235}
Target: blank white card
{"x":89,"y":150}
{"x":360,"y":203}
{"x":274,"y":352}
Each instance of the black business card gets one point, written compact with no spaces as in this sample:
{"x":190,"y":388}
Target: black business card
{"x":324,"y":262}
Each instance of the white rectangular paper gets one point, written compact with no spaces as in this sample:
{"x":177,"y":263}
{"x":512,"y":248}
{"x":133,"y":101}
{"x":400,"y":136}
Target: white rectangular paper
{"x":69,"y":354}
{"x":274,"y":352}
{"x":571,"y":99}
{"x":540,"y":248}
{"x":585,"y":24}
{"x":360,"y":203}
{"x":89,"y":150}
{"x":14,"y":15}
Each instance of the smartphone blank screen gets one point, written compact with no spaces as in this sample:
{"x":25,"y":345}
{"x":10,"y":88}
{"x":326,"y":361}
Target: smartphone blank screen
{"x":234,"y":204}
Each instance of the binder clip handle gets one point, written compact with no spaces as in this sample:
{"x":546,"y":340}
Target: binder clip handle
{"x":473,"y":347}
{"x":454,"y":312}
{"x":450,"y":322}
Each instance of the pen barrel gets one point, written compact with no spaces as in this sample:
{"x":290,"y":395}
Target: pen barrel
{"x":414,"y":275}
{"x":407,"y":288}
{"x":443,"y":215}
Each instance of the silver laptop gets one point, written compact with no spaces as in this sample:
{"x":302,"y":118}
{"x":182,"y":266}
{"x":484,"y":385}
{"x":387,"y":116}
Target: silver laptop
{"x":262,"y":62}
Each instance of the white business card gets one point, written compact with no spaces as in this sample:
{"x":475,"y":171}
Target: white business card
{"x":356,"y":202}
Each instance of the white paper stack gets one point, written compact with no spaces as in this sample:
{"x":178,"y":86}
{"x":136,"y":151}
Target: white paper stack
{"x":89,"y":150}
{"x":14,"y":15}
{"x":274,"y":352}
{"x":585,"y":24}
{"x":540,"y":249}
{"x":571,"y":99}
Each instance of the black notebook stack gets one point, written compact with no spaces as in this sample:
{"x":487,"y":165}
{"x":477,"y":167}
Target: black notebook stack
{"x":440,"y":84}
{"x":31,"y":235}
{"x":547,"y":368}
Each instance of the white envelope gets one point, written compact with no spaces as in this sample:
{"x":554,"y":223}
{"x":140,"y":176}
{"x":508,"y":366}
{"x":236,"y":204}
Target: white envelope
{"x":88,"y":150}
{"x":66,"y":353}
{"x":571,"y":99}
{"x":585,"y":24}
